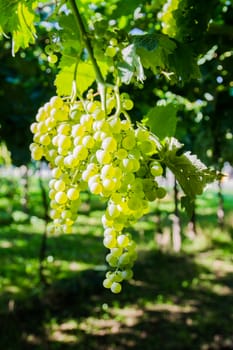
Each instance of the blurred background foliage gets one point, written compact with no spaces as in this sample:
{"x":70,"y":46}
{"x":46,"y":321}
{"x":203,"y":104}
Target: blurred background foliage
{"x":50,"y":288}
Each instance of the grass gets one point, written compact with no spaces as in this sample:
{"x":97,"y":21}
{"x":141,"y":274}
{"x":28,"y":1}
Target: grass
{"x":178,"y":301}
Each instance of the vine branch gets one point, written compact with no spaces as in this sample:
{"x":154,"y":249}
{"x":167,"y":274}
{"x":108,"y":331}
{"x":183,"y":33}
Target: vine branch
{"x":87,"y":43}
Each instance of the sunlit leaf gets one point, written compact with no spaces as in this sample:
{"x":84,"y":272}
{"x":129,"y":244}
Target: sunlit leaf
{"x":162,"y":120}
{"x":190,"y":172}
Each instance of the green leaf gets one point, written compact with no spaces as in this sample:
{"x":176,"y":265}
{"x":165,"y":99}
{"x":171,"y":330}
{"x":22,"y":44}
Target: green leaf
{"x":70,"y":34}
{"x":190,"y":172}
{"x":184,"y":63}
{"x":25,"y":33}
{"x":128,"y":6}
{"x":64,"y":80}
{"x":20,"y":24}
{"x":154,"y":50}
{"x":85,"y":75}
{"x":131,"y":66}
{"x":162,"y":120}
{"x":188,"y":204}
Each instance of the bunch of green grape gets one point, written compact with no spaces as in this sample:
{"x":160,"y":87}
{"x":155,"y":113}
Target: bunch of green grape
{"x":99,"y":149}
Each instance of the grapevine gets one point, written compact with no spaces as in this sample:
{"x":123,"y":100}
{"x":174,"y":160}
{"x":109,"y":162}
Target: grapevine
{"x":89,"y":148}
{"x":91,"y":143}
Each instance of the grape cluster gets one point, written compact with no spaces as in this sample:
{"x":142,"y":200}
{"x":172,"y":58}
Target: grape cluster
{"x":89,"y":147}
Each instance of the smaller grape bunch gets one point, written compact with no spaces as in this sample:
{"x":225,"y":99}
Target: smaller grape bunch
{"x":89,"y":147}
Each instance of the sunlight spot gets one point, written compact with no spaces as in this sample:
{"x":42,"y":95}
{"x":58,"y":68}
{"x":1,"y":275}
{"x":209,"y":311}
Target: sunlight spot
{"x":62,"y":337}
{"x":74,"y":266}
{"x":69,"y":325}
{"x":6,"y":244}
{"x":12,"y":289}
{"x":32,"y":339}
{"x":50,"y":258}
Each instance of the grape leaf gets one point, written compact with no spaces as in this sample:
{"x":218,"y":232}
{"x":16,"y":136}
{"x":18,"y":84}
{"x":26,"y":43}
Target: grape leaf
{"x":131,"y":65}
{"x":70,"y":35}
{"x":154,"y":50}
{"x":188,"y":204}
{"x":190,"y":172}
{"x":162,"y":120}
{"x":159,"y":53}
{"x":20,"y":24}
{"x":128,"y":6}
{"x":85,"y":75}
{"x":184,"y":63}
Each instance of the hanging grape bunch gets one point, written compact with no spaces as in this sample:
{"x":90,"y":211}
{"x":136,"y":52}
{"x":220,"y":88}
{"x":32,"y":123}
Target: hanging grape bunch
{"x":88,"y":147}
{"x":91,"y":144}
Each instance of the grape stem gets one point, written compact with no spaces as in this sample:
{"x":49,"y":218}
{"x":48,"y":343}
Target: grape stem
{"x":87,"y":43}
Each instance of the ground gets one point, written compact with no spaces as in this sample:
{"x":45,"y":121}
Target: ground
{"x":175,"y":301}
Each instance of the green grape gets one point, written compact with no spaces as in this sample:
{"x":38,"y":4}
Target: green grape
{"x":64,"y":129}
{"x":66,"y":214}
{"x":110,"y":231}
{"x":115,"y":125}
{"x":59,"y":161}
{"x":54,"y":214}
{"x":103,"y":157}
{"x":129,"y":142}
{"x":64,"y":141}
{"x":61,"y":197}
{"x":117,"y":252}
{"x":52,"y":58}
{"x":56,"y":173}
{"x":45,"y":140}
{"x":127,"y":274}
{"x":112,"y":260}
{"x":128,"y":164}
{"x":71,"y":161}
{"x":67,"y":228}
{"x":50,"y":123}
{"x":59,"y":114}
{"x":52,"y":194}
{"x":78,"y":130}
{"x":41,"y":115}
{"x":135,"y":202}
{"x":116,"y":287}
{"x":34,"y":128}
{"x":80,"y":152}
{"x":147,"y":147}
{"x":95,"y":188}
{"x":89,"y":148}
{"x":113,"y":211}
{"x":109,"y":144}
{"x":59,"y":185}
{"x":124,"y":259}
{"x":109,"y":241}
{"x":117,"y":277}
{"x":56,"y":102}
{"x":156,"y":169}
{"x":161,"y":192}
{"x":111,"y":51}
{"x":88,"y":141}
{"x":48,"y":49}
{"x":107,"y":283}
{"x":127,"y":104}
{"x":41,"y":127}
{"x":37,"y":153}
{"x":122,"y":241}
{"x":98,"y":114}
{"x":113,"y":42}
{"x":92,"y":106}
{"x":121,"y":153}
{"x":73,"y":194}
{"x":108,"y":170}
{"x":125,"y":125}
